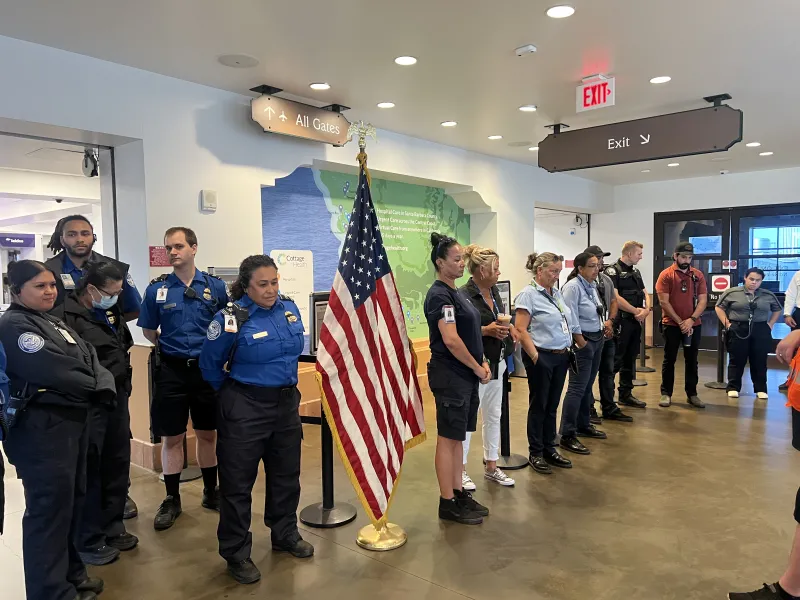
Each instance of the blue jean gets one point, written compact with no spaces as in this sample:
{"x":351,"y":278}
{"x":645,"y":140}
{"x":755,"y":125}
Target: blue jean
{"x":578,"y":401}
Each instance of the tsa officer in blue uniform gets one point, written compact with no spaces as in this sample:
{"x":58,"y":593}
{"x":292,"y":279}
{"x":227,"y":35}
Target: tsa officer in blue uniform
{"x":182,"y":305}
{"x":251,"y":355}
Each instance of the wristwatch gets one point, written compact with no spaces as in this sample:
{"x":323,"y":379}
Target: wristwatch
{"x":695,"y":319}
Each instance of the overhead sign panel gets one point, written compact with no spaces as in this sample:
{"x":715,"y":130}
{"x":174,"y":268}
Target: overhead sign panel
{"x":596,"y":93}
{"x":701,"y":131}
{"x":286,"y":117}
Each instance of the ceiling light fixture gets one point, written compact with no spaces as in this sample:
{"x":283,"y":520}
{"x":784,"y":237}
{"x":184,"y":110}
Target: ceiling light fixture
{"x":528,"y":108}
{"x":645,"y":170}
{"x":405,"y":61}
{"x":495,"y":137}
{"x":560,"y":12}
{"x":766,"y":153}
{"x":449,"y":123}
{"x":673,"y":164}
{"x":661,"y":79}
{"x":385,"y":104}
{"x":534,"y":148}
{"x":238,"y":61}
{"x":753,"y":144}
{"x":320,"y":87}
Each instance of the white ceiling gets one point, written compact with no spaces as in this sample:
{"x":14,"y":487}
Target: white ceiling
{"x":40,"y":155}
{"x":467,"y":69}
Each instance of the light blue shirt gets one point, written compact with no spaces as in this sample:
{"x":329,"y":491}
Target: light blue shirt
{"x":552,"y":322}
{"x":583,"y":300}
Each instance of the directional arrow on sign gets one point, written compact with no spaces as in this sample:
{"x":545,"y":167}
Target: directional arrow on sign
{"x":645,"y":139}
{"x":269,"y":110}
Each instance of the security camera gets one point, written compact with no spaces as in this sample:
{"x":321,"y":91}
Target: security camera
{"x":89,"y":164}
{"x":59,"y":200}
{"x":523,"y":50}
{"x":724,"y":172}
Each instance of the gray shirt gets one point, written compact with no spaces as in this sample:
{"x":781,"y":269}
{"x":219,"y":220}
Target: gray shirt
{"x":736,"y":303}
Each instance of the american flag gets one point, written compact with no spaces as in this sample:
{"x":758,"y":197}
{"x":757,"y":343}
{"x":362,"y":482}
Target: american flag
{"x":365,"y":364}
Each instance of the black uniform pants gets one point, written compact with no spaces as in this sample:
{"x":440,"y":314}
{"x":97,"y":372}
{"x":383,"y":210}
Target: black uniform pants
{"x":545,"y":384}
{"x":257,"y":425}
{"x":673,"y":339}
{"x":108,"y":465}
{"x":627,"y":350}
{"x":754,"y":348}
{"x":605,"y":377}
{"x":48,"y":448}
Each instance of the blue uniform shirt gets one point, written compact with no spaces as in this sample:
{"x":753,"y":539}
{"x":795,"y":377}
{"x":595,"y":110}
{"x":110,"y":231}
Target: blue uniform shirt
{"x":268,"y":346}
{"x":583,"y":300}
{"x":131,"y":300}
{"x":552,"y":322}
{"x":183,"y":320}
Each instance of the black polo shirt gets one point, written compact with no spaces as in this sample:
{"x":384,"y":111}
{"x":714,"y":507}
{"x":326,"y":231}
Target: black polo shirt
{"x":441,"y":302}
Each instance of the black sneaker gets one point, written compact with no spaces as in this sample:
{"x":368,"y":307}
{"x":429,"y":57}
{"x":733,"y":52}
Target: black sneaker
{"x":539,"y":464}
{"x":592,"y":432}
{"x":244,"y":572}
{"x":91,"y":584}
{"x":465,"y":499}
{"x":131,"y":510}
{"x":768,"y":592}
{"x":618,"y":415}
{"x":124,"y":541}
{"x":556,"y":460}
{"x":168,"y":512}
{"x":298,"y":548}
{"x":573,"y":445}
{"x":211,"y":499}
{"x":452,"y":510}
{"x":632,"y":401}
{"x":100,"y":556}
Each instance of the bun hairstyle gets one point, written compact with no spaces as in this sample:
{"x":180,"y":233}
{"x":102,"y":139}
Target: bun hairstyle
{"x":580,"y":261}
{"x":541,"y":260}
{"x":441,"y":246}
{"x":478,"y":257}
{"x":21,"y":272}
{"x":249,"y":266}
{"x":98,"y":274}
{"x":55,"y":240}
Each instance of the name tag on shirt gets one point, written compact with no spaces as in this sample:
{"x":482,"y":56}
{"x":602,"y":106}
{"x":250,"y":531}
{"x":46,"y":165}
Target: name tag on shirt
{"x":161,"y":294}
{"x":564,"y":327}
{"x":231,"y":326}
{"x":67,"y":280}
{"x":168,"y":306}
{"x":259,"y":335}
{"x":449,"y":314}
{"x":66,"y":335}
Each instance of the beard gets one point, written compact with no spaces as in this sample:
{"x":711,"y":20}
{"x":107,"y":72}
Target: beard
{"x":79,"y":250}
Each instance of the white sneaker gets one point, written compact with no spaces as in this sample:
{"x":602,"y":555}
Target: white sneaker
{"x":498,"y":477}
{"x":733,"y":394}
{"x":665,"y":401}
{"x":762,"y":395}
{"x":466,"y":482}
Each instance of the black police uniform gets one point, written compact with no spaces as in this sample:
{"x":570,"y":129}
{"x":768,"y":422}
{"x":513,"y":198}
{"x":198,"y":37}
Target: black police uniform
{"x":61,"y":377}
{"x":3,"y":400}
{"x":258,"y":418}
{"x":109,"y":454}
{"x":630,"y":285}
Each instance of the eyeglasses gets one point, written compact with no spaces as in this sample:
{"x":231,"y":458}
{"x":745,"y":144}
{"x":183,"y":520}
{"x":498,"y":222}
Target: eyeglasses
{"x":107,"y":293}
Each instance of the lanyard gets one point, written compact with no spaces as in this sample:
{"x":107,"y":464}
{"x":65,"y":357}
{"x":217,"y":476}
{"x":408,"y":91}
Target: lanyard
{"x":592,"y":297}
{"x":554,"y":303}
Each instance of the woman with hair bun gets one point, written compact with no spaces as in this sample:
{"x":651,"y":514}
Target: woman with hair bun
{"x":456,"y":369}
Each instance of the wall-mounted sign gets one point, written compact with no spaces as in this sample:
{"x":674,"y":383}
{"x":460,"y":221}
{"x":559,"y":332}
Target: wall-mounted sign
{"x":730,"y":265}
{"x":297,"y":277}
{"x":701,"y":131}
{"x":719,"y":282}
{"x":158,"y":257}
{"x":17,"y":240}
{"x":596,"y":92}
{"x":286,"y":117}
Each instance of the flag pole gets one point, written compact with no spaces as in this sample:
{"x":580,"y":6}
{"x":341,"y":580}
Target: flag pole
{"x":388,"y":536}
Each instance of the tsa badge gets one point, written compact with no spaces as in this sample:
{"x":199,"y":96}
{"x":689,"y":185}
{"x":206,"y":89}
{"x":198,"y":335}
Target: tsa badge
{"x":290,"y":317}
{"x":207,"y":294}
{"x":111,"y":318}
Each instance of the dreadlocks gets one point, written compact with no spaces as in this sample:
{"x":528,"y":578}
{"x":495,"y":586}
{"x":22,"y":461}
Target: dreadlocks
{"x":55,"y":240}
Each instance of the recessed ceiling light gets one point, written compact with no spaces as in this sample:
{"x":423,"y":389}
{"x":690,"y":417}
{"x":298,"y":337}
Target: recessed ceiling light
{"x":405,"y":61}
{"x":766,"y":153}
{"x":528,"y":108}
{"x":320,"y":86}
{"x":385,"y":104}
{"x":238,"y":61}
{"x":449,"y":123}
{"x":753,"y":144}
{"x":645,"y":170}
{"x":560,"y":12}
{"x":661,"y":79}
{"x":495,"y":137}
{"x":673,"y":164}
{"x":534,"y":148}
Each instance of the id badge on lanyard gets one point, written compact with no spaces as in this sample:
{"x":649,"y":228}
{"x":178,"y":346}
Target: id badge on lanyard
{"x":564,"y":326}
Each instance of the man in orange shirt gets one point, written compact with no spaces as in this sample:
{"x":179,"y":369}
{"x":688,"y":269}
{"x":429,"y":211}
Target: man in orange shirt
{"x":683,"y":296}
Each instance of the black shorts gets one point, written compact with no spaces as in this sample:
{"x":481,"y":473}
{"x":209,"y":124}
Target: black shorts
{"x":457,"y":401}
{"x":181,"y":389}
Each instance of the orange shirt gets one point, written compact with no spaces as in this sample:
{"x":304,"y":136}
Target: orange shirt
{"x":673,"y":281}
{"x":794,"y":385}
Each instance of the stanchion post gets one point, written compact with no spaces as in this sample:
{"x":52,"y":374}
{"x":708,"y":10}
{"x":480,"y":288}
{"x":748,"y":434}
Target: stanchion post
{"x":507,"y":460}
{"x":719,"y":384}
{"x":643,"y":368}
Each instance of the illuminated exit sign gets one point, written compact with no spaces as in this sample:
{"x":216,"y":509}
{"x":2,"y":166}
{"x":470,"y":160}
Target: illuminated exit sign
{"x":595,"y":92}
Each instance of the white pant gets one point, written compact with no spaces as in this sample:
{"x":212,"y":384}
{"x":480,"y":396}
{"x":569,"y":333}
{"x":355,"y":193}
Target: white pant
{"x":491,"y":396}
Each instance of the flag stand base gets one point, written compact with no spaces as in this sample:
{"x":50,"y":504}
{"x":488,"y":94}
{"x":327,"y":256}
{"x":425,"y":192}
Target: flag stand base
{"x":389,"y":537}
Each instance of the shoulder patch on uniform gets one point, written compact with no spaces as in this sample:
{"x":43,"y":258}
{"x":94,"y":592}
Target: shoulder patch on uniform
{"x":30,"y":342}
{"x":214,"y":330}
{"x":610,"y":271}
{"x":129,"y":279}
{"x":160,"y":278}
{"x":282,"y":297}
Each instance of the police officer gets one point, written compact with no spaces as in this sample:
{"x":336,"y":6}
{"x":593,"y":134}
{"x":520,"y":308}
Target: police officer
{"x":182,"y":304}
{"x":55,"y":378}
{"x":93,"y":311}
{"x":748,"y":314}
{"x":634,"y":305}
{"x":251,"y":355}
{"x":73,"y":240}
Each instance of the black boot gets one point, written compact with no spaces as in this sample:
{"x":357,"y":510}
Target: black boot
{"x":244,"y":571}
{"x":168,"y":512}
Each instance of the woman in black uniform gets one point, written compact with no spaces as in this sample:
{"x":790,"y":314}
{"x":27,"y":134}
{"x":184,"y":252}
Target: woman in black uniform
{"x":93,"y":312}
{"x":54,"y":379}
{"x":456,"y":368}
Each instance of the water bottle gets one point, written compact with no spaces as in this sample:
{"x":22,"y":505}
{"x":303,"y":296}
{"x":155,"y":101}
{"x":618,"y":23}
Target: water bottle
{"x":687,"y":339}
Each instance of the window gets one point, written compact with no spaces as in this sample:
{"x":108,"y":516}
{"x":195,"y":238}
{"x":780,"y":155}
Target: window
{"x":771,"y":243}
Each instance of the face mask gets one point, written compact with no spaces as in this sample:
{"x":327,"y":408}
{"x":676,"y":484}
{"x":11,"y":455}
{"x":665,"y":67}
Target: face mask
{"x":105,"y":302}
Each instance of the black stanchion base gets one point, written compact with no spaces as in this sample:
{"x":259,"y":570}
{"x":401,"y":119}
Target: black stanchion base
{"x":645,"y":370}
{"x":512,"y":462}
{"x":716,"y":385}
{"x":188,"y":474}
{"x":315,"y":515}
{"x":638,"y":382}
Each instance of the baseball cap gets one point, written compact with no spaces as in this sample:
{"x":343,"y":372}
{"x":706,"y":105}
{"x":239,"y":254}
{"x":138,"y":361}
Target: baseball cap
{"x":684,"y":248}
{"x":596,"y":251}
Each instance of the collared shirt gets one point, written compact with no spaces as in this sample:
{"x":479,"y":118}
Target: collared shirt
{"x":493,"y":348}
{"x":268,"y":346}
{"x":131,"y":300}
{"x":583,"y":300}
{"x":736,"y":303}
{"x":792,"y":301}
{"x":552,"y":322}
{"x":681,"y":287}
{"x":183,"y":320}
{"x":444,"y":302}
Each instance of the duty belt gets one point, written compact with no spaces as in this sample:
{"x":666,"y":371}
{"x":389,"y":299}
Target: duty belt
{"x":181,"y":361}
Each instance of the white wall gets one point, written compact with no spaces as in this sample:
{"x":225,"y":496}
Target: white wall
{"x":194,"y":137}
{"x":635,"y":205}
{"x":559,"y":233}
